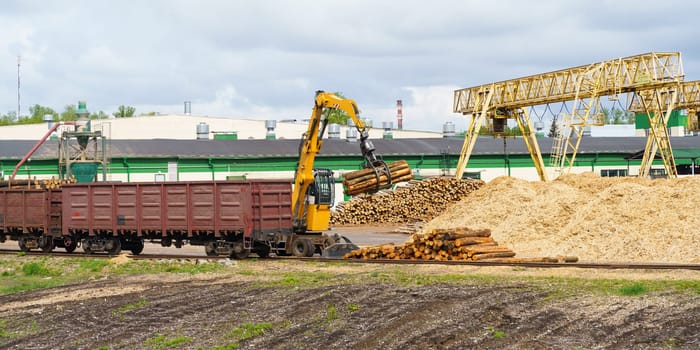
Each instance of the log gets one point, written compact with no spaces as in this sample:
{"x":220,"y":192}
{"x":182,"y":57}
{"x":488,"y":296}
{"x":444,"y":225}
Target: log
{"x":485,"y":256}
{"x":372,"y":175}
{"x":465,"y":241}
{"x":358,"y":173}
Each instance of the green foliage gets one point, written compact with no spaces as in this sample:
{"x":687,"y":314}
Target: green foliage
{"x":129,"y":307}
{"x":160,"y":341}
{"x":331,"y":312}
{"x":94,"y":265}
{"x":337,"y":116}
{"x":245,"y":331}
{"x":616,"y":116}
{"x":353,"y":307}
{"x":99,"y":115}
{"x":124,"y":112}
{"x":35,"y":269}
{"x":37,"y":113}
{"x":21,"y":253}
{"x":554,"y":129}
{"x":496,"y":334}
{"x":633,"y":289}
{"x":69,"y":113}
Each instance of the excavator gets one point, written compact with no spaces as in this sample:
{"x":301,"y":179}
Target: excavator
{"x":313,"y":193}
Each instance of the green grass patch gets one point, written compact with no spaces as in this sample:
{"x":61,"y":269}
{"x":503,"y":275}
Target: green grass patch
{"x":159,"y":341}
{"x":243,"y":332}
{"x":331,"y":313}
{"x":352,"y":307}
{"x":633,"y":289}
{"x":128,"y":307}
{"x":93,"y":265}
{"x":38,"y":268}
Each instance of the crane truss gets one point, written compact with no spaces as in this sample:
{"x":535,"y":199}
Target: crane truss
{"x":657,"y":105}
{"x":583,"y":84}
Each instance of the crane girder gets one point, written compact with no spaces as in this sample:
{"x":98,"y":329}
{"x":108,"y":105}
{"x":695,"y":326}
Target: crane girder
{"x":620,"y":75}
{"x":584,"y":85}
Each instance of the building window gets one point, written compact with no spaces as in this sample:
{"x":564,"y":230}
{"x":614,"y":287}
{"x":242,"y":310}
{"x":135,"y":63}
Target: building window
{"x":613,"y":172}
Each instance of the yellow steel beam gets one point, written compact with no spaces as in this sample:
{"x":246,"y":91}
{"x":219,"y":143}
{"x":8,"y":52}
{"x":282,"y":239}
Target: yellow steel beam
{"x":584,"y":85}
{"x":620,"y":75}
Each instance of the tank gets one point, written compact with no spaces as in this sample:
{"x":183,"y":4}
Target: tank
{"x":448,"y":129}
{"x":202,"y":131}
{"x":334,"y":131}
{"x":188,"y":108}
{"x":351,"y":135}
{"x":387,"y":126}
{"x":539,"y":128}
{"x":270,"y":125}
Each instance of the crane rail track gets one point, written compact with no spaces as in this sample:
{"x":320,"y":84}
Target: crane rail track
{"x":583,"y":265}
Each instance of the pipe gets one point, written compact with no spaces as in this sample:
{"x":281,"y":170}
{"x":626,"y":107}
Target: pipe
{"x":37,"y":145}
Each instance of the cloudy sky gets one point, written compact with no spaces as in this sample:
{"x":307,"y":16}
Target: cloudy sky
{"x":264,"y":59}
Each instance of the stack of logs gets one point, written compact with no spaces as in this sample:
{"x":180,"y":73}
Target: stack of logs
{"x":44,"y":184}
{"x":417,"y":201}
{"x":365,"y":180}
{"x":449,"y":244}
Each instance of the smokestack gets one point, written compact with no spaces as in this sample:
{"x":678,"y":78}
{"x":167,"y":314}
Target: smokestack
{"x":399,"y":114}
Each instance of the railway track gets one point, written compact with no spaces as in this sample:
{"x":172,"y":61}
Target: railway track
{"x":582,"y":265}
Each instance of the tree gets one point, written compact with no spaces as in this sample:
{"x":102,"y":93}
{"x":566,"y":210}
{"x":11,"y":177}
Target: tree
{"x":69,"y":113}
{"x":337,"y":116}
{"x":617,"y":116}
{"x":37,"y":113}
{"x":554,"y":129}
{"x":124,"y":112}
{"x":99,"y":115}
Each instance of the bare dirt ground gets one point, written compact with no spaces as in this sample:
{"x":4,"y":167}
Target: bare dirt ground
{"x":355,"y":306}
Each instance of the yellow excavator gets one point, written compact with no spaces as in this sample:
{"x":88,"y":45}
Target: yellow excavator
{"x":313,"y":192}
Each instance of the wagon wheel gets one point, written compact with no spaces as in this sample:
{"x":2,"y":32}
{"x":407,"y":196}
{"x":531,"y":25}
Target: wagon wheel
{"x":47,"y":244}
{"x":210,"y":249}
{"x":70,"y":243}
{"x":263,"y":250}
{"x":116,"y":247}
{"x":239,"y":252}
{"x":22,"y":245}
{"x":87,"y":246}
{"x":137,"y":247}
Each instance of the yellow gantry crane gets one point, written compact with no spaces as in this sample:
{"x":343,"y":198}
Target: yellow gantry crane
{"x":658,"y":105}
{"x":647,"y":74}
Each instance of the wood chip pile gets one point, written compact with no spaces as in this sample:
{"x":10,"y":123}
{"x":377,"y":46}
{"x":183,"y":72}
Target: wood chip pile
{"x":416,"y":201}
{"x":448,"y":244}
{"x":597,"y":219}
{"x":365,"y":180}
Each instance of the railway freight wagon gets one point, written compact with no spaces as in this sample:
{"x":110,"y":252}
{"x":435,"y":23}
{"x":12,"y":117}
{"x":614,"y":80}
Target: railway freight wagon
{"x":33,"y":218}
{"x":226,"y":217}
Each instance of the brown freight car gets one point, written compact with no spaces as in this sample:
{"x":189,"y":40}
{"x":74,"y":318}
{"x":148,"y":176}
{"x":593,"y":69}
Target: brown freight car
{"x":226,"y":217}
{"x":33,"y":218}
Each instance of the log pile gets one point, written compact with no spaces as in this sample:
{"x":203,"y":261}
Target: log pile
{"x":417,"y":201}
{"x":365,"y":180}
{"x":449,"y":244}
{"x":44,"y":184}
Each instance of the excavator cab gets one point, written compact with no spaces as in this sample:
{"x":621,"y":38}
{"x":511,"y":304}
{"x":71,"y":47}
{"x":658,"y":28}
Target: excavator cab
{"x":322,"y":190}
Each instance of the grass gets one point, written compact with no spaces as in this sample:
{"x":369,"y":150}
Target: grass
{"x":243,"y":332}
{"x":352,"y":307}
{"x":128,"y":307}
{"x":159,"y":341}
{"x":19,"y":274}
{"x":331,"y":313}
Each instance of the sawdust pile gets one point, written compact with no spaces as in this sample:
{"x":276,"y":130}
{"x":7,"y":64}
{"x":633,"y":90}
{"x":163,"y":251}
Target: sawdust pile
{"x":597,"y":219}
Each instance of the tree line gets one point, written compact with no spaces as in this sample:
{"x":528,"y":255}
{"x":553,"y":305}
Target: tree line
{"x":37,"y":113}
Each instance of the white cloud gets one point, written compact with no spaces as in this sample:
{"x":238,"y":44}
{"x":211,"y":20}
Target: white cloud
{"x":264,"y":59}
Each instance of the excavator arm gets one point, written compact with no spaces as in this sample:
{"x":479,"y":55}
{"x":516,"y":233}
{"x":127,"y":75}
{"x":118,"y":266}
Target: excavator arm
{"x":313,"y":188}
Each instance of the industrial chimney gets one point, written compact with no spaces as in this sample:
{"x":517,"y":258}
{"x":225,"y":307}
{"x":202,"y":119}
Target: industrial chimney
{"x":399,"y":114}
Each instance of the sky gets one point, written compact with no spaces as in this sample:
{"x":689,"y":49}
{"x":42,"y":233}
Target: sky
{"x":264,"y":59}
